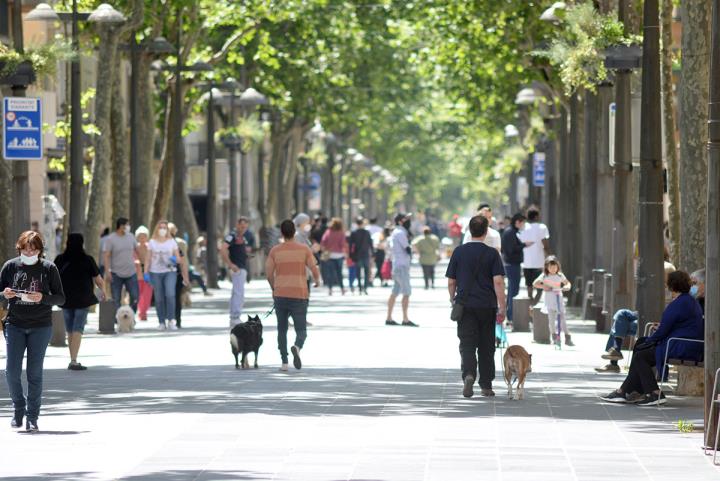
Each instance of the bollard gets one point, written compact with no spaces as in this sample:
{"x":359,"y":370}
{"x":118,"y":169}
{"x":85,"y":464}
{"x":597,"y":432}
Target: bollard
{"x":106,"y":321}
{"x":521,"y":313}
{"x":541,"y":330}
{"x":598,"y":284}
{"x":58,"y":329}
{"x":576,"y":294}
{"x":607,"y":304}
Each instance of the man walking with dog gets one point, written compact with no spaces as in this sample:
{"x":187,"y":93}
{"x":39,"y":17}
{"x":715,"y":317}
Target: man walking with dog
{"x":120,"y":252}
{"x":286,"y":271}
{"x":477,"y":291}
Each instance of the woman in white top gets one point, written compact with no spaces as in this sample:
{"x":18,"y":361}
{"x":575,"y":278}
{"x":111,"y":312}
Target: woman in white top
{"x":161,"y":271}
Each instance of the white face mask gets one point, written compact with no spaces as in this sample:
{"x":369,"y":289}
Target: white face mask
{"x":307,"y":228}
{"x":127,"y":228}
{"x":162,"y":232}
{"x":28,"y":260}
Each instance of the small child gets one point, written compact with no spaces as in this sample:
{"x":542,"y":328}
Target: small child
{"x":553,"y":283}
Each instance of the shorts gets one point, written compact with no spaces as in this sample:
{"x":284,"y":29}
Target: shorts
{"x":401,"y":280}
{"x":75,"y":319}
{"x":531,"y":275}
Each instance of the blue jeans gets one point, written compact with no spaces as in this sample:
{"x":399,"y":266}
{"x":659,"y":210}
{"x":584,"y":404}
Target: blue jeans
{"x":625,"y":323}
{"x":35,"y":340}
{"x":514,"y":274}
{"x":335,"y":273}
{"x":131,"y":284}
{"x":362,"y":266}
{"x":164,"y":287}
{"x":286,"y":307}
{"x":75,"y":320}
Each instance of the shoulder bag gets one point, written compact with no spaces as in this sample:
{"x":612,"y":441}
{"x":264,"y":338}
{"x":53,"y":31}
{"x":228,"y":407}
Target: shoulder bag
{"x":459,"y":305}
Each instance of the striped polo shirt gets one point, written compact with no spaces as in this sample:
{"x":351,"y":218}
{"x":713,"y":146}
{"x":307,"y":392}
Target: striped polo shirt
{"x":286,"y":265}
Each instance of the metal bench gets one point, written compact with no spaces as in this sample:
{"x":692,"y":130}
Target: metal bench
{"x":714,"y":405}
{"x":678,"y":362}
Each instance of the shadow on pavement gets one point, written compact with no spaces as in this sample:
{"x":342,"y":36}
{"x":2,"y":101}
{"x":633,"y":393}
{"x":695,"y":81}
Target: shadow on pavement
{"x":170,"y":475}
{"x":221,"y":389}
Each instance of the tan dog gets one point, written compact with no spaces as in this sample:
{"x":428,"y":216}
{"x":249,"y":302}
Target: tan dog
{"x":517,"y":363}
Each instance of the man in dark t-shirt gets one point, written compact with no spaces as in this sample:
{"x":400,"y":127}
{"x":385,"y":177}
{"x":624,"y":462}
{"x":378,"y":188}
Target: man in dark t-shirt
{"x":475,"y":280}
{"x":234,"y":252}
{"x":361,"y":248}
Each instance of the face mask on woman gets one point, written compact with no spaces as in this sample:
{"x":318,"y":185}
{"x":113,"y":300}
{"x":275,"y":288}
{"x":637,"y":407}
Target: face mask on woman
{"x":162,"y":232}
{"x":28,"y":260}
{"x":307,"y":227}
{"x":694,"y":290}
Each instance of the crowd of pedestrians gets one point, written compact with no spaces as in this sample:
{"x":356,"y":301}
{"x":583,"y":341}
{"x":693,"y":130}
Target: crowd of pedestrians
{"x":144,"y":269}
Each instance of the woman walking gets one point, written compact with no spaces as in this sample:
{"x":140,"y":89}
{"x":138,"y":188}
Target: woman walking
{"x":334,"y":243}
{"x":428,"y":247}
{"x":32,"y":286}
{"x":79,"y":275}
{"x":183,"y":279}
{"x":161,"y":270}
{"x":146,"y":291}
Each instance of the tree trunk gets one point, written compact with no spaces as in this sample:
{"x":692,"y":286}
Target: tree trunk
{"x":121,"y":159}
{"x":693,"y":132}
{"x":673,"y":174}
{"x":146,"y":138}
{"x":6,"y":236}
{"x":163,"y":188}
{"x":100,"y":184}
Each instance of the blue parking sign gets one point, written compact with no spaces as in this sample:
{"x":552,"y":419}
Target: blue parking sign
{"x":22,"y":128}
{"x":539,"y":169}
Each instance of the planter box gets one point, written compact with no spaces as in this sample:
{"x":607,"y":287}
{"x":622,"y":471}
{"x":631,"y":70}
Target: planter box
{"x":21,"y":77}
{"x":623,"y":57}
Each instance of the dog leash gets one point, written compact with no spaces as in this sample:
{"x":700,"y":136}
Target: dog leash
{"x":268,"y":313}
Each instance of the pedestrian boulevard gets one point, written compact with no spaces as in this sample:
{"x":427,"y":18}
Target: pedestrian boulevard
{"x":372,"y":403}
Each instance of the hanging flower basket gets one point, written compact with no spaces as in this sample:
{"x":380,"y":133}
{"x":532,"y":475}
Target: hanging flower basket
{"x":623,"y":57}
{"x":22,"y":76}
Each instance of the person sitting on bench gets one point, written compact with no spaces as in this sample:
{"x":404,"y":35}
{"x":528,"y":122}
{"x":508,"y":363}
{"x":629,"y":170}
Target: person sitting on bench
{"x":683,"y":317}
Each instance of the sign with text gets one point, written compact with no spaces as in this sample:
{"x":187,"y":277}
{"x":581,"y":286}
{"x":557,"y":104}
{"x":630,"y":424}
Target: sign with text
{"x":539,"y":169}
{"x":22,"y":128}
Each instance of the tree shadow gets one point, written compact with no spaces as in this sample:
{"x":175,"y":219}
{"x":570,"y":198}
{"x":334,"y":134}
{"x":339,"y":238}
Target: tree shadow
{"x":371,"y":392}
{"x":169,"y":475}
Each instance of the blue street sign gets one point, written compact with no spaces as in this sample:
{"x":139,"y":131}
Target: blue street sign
{"x":539,"y":169}
{"x":22,"y":128}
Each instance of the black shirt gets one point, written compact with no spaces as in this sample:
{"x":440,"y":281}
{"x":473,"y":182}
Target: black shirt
{"x":236,"y":249}
{"x":77,"y":273}
{"x":512,"y":247}
{"x":361,"y":244}
{"x":483,"y":261}
{"x":42,"y":277}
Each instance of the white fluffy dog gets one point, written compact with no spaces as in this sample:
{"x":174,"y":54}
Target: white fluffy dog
{"x":125,"y":318}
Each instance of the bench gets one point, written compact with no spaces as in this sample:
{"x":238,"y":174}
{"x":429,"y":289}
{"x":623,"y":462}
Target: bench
{"x":691,"y":374}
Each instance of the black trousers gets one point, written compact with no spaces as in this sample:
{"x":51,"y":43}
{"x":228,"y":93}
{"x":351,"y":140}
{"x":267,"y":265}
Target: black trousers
{"x":476,"y":331}
{"x":178,"y":300}
{"x":379,"y":259}
{"x":429,"y":275}
{"x":641,"y":377}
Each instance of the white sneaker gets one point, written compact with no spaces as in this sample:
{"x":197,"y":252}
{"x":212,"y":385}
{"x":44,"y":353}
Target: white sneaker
{"x":162,"y":327}
{"x":284,"y":368}
{"x":171,"y":325}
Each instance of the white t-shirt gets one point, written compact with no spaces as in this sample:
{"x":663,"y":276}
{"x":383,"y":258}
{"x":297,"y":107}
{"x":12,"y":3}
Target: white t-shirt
{"x":399,"y":243}
{"x":553,"y":298}
{"x":492,"y":239}
{"x":160,"y":253}
{"x":534,"y":255}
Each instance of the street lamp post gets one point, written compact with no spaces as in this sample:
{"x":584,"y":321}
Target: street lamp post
{"x":249,"y":99}
{"x":712,"y":284}
{"x":157,"y":45}
{"x":211,"y":206}
{"x":104,"y":14}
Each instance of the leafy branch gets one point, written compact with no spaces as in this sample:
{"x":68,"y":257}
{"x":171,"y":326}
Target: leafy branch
{"x":578,"y":49}
{"x":44,"y":58}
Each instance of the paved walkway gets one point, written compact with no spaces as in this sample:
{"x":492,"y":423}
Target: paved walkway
{"x":373,"y":403}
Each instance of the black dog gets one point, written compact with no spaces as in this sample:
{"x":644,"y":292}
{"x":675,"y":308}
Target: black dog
{"x":245,"y":338}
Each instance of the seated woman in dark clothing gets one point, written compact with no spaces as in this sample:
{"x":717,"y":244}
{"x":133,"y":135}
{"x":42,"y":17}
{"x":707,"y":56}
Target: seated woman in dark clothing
{"x":683,"y":317}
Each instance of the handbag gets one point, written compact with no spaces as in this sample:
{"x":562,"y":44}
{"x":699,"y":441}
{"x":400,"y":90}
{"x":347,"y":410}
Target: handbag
{"x":458,"y":307}
{"x":324,"y":256}
{"x":386,"y":270}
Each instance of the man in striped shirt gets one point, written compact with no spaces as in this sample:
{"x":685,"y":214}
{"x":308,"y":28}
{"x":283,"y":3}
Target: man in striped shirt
{"x":285,"y":269}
